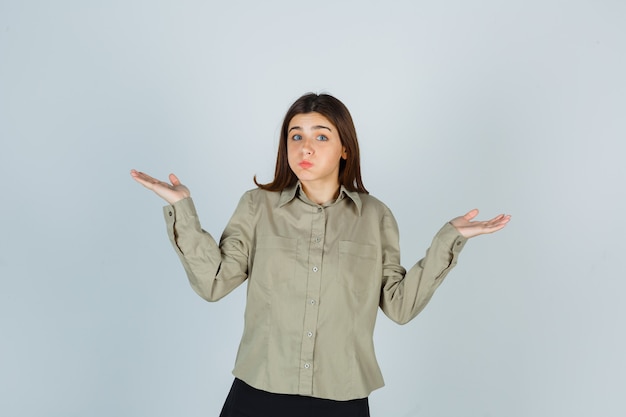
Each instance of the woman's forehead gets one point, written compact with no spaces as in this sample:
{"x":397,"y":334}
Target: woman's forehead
{"x":309,"y":120}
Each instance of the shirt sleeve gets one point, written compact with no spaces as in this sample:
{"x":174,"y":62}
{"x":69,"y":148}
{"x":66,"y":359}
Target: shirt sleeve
{"x":404,"y":294}
{"x":213,"y":270}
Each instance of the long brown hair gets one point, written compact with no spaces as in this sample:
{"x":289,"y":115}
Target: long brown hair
{"x":337,"y":113}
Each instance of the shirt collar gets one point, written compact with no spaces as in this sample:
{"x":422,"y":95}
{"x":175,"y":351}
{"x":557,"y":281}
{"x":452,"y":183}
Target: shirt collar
{"x":288,"y":194}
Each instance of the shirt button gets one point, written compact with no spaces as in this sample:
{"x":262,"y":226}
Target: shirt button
{"x":170,"y":213}
{"x":307,"y":365}
{"x":315,"y":269}
{"x":312,"y":302}
{"x":310,"y":334}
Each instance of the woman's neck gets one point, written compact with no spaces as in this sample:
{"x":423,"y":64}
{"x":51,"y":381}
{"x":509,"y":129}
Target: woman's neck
{"x":321,"y":193}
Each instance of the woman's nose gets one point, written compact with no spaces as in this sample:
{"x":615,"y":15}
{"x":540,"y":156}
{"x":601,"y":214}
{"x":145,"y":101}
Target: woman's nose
{"x":307,"y":147}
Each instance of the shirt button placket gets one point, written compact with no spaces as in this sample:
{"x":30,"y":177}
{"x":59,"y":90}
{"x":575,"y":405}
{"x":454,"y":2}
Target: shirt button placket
{"x":314,"y":279}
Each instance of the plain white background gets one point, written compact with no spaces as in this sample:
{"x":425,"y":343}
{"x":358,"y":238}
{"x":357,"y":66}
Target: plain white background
{"x":508,"y":106}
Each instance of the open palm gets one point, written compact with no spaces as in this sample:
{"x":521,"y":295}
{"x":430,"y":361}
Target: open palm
{"x":469,"y":228}
{"x":170,"y":192}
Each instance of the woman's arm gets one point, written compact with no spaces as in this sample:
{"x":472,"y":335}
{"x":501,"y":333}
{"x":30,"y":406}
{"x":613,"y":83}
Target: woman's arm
{"x":213,"y":270}
{"x":405,"y":293}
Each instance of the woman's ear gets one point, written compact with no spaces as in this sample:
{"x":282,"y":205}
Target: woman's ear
{"x":344,"y":153}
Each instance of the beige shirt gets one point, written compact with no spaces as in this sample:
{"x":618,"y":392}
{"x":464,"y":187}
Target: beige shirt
{"x":316,"y":277}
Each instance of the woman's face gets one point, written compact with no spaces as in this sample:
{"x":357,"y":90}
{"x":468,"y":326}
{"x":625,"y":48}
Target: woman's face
{"x":314,"y":150}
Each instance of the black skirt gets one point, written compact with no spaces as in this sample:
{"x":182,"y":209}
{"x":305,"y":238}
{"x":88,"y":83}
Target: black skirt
{"x":246,"y":401}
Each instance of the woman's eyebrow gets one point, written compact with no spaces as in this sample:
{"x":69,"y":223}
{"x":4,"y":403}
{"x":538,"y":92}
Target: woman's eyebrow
{"x":312,"y":128}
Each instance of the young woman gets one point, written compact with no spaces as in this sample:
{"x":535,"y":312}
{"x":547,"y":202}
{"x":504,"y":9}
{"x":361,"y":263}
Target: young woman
{"x":321,"y":256}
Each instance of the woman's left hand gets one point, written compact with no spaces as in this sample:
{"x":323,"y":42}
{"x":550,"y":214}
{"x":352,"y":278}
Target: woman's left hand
{"x":468,"y":228}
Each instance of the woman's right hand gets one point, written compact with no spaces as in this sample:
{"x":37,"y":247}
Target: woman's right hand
{"x":169,"y":192}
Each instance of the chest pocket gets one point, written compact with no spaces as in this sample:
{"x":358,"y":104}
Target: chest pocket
{"x":274,"y":260}
{"x":357,"y":266}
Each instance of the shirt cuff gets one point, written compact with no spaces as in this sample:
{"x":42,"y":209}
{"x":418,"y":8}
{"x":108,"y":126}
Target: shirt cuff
{"x":181,"y":208}
{"x":450,"y":237}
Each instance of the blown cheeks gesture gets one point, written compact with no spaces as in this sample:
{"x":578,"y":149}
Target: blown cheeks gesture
{"x":469,"y":228}
{"x":173,"y":192}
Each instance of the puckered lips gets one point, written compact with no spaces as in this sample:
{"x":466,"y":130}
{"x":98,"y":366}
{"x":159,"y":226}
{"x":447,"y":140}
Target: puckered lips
{"x":305,"y":164}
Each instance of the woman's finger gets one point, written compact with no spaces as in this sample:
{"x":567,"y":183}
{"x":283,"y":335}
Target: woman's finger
{"x":471,"y":214}
{"x":174,"y":180}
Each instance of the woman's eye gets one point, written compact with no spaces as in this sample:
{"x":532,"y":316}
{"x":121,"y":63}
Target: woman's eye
{"x":296,"y":137}
{"x":322,"y":137}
